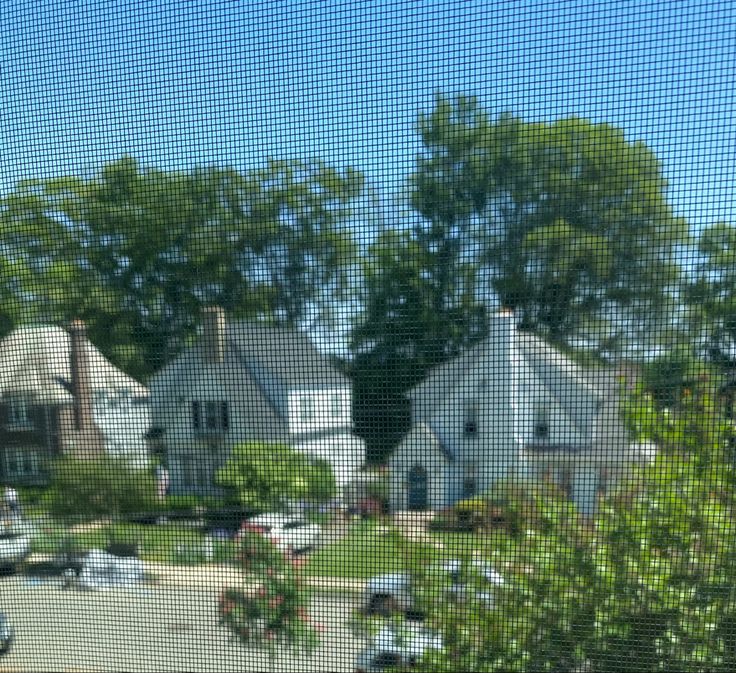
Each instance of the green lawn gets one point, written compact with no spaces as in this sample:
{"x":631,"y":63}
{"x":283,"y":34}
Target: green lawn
{"x":167,"y":543}
{"x":366,"y":550}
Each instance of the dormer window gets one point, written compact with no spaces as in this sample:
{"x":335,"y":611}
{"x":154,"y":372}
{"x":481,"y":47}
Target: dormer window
{"x":210,"y":416}
{"x":306,"y":408}
{"x":19,"y":411}
{"x":541,"y":423}
{"x":471,"y":419}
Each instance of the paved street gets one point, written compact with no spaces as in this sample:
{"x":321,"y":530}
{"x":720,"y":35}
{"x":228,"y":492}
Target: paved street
{"x":161,"y":629}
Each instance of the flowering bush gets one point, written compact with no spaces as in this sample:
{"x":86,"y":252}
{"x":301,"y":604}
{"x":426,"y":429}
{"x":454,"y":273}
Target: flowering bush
{"x":271,"y":610}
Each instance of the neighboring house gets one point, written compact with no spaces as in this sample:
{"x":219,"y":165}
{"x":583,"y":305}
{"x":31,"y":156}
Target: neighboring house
{"x":246,"y":382}
{"x":58,"y":394}
{"x":512,"y":406}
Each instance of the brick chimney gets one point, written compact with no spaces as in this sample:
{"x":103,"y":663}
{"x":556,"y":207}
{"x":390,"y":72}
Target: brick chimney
{"x":213,"y":334}
{"x":87,"y":438}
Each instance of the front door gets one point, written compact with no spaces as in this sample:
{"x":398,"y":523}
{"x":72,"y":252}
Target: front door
{"x":417,"y":489}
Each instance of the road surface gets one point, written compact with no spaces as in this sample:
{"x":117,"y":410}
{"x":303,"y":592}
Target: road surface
{"x":149,"y":629}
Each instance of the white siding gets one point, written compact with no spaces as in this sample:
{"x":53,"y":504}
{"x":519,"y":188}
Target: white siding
{"x":124,"y":422}
{"x":330,"y":410}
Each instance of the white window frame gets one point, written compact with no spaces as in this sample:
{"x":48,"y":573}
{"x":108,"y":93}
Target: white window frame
{"x":19,"y":411}
{"x":336,"y":405}
{"x":306,"y":408}
{"x":470,"y":418}
{"x":17,"y":461}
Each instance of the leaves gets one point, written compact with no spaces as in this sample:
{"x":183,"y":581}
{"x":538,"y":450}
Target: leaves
{"x":265,"y":477}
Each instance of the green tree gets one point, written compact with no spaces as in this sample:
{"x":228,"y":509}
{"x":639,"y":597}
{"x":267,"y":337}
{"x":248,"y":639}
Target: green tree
{"x":646,"y":586}
{"x":267,"y":477}
{"x":136,"y":252}
{"x":419,"y":309}
{"x":567,"y":220}
{"x":89,"y":488}
{"x":711,"y":296}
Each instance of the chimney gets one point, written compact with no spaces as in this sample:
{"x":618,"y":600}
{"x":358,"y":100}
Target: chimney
{"x":88,"y":437}
{"x":81,"y":386}
{"x":503,"y":328}
{"x":213,"y":334}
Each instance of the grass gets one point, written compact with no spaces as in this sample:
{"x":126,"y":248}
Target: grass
{"x":166,"y":543}
{"x":367,"y":550}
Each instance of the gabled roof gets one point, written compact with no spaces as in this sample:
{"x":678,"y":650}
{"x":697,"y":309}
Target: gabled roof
{"x":425,"y":436}
{"x":36,"y":361}
{"x":557,"y":373}
{"x":288,"y":355}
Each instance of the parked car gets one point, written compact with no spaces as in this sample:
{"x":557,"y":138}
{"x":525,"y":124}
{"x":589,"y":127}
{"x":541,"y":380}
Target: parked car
{"x":6,"y":634}
{"x":393,"y":592}
{"x":15,"y":543}
{"x":290,"y":533}
{"x":397,"y":647}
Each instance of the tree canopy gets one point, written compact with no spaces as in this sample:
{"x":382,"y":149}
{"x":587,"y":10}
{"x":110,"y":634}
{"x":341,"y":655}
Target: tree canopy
{"x":136,"y":251}
{"x":567,"y":221}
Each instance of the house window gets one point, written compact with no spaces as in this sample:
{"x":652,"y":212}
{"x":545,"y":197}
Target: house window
{"x":19,"y":411}
{"x":471,"y":419}
{"x":210,"y":416}
{"x":336,"y":405}
{"x":541,"y":423}
{"x":22,"y":463}
{"x":470,"y":480}
{"x":306,"y":408}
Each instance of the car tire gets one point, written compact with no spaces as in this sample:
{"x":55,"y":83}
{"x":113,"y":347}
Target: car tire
{"x":383,"y":605}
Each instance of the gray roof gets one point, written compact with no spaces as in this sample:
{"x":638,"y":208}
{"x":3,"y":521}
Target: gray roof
{"x":287,"y":354}
{"x":554,"y":370}
{"x":35,"y":361}
{"x":423,"y":436}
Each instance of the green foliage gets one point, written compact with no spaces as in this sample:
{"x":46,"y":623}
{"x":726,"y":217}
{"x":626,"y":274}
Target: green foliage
{"x":647,"y":586}
{"x":267,"y":477}
{"x":136,"y":252}
{"x":89,"y":488}
{"x":669,"y":377}
{"x":567,"y":219}
{"x":271,"y":611}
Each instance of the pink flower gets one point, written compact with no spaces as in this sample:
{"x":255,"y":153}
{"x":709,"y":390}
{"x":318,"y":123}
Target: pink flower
{"x":262,"y":592}
{"x":298,"y":561}
{"x":320,"y":628}
{"x":275,"y":602}
{"x":269,"y":635}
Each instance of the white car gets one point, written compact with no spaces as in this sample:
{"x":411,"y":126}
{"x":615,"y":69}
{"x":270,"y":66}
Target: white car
{"x":393,"y":593}
{"x":15,"y":543}
{"x":397,"y":647}
{"x":290,"y":533}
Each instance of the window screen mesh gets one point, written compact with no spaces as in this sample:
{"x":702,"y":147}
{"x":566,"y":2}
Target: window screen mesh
{"x":367,"y":336}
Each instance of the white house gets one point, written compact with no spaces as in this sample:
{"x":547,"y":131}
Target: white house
{"x":247,"y":382}
{"x":59,"y":394}
{"x":512,"y":406}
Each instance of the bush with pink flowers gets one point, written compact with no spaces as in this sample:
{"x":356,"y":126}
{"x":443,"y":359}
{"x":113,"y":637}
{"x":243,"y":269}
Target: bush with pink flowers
{"x":271,"y":610}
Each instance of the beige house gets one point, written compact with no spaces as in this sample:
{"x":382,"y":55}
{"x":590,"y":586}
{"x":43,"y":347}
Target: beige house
{"x":245,"y":382}
{"x":512,"y":406}
{"x":59,"y":394}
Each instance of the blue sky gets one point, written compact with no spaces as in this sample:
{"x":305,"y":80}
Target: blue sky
{"x":179,"y":84}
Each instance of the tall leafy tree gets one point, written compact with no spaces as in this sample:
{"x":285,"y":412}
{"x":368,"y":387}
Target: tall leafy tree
{"x":568,"y":220}
{"x":137,"y":251}
{"x":419,"y":309}
{"x":711,"y":296}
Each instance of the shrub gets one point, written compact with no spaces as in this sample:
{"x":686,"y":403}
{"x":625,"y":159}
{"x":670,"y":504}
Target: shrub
{"x":89,"y":488}
{"x":267,"y":477}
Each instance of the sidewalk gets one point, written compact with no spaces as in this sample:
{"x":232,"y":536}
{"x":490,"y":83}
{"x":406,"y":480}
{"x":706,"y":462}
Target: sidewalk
{"x":216,"y":577}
